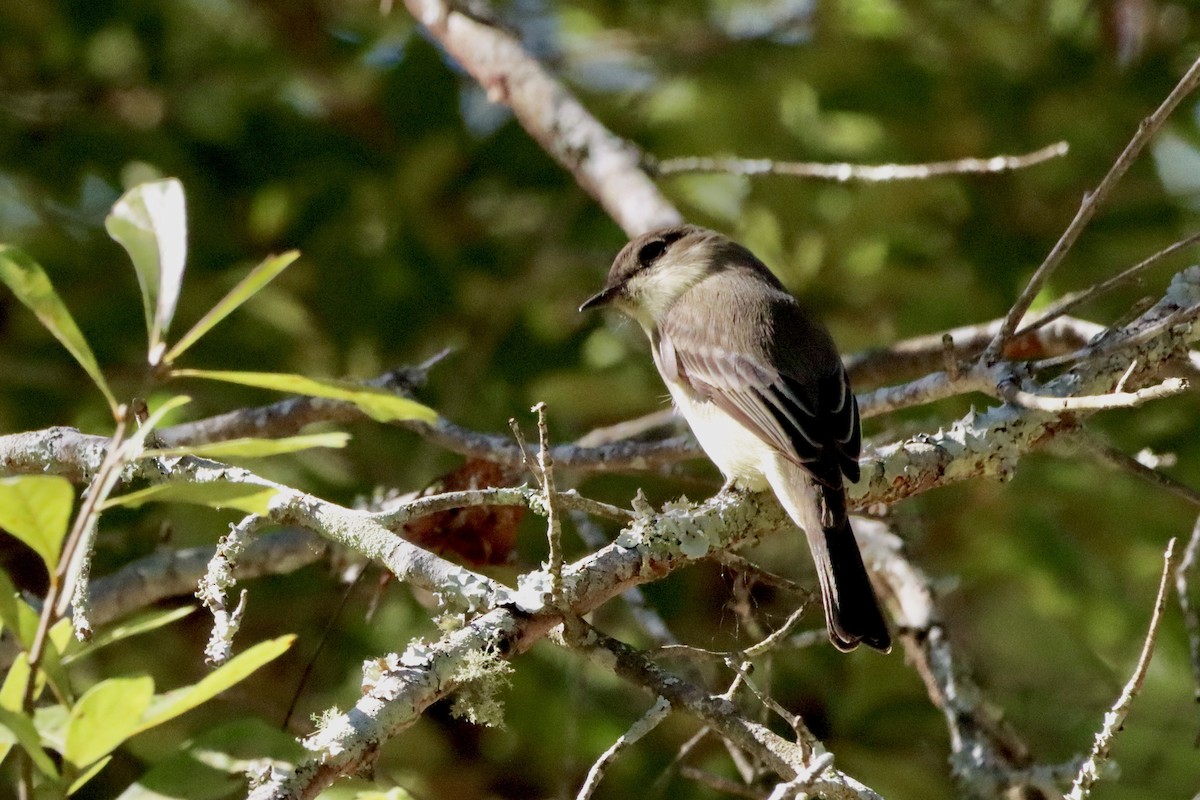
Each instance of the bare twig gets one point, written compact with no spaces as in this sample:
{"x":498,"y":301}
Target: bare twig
{"x":1168,"y":388}
{"x":605,"y":165}
{"x":649,"y":721}
{"x":1191,"y":620}
{"x":719,"y":783}
{"x":1089,"y":773}
{"x":545,"y":465}
{"x":786,"y":759}
{"x":1072,"y":301}
{"x":1122,"y":460}
{"x":865,"y":173}
{"x":214,"y":587}
{"x":1087,"y":209}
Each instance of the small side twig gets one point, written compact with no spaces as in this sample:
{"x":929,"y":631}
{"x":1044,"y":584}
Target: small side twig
{"x":1075,"y":299}
{"x":649,"y":721}
{"x":863,"y":173}
{"x":545,"y":464}
{"x":214,"y":587}
{"x":1122,"y":460}
{"x":1089,"y":773}
{"x":1168,"y":388}
{"x":1087,"y":209}
{"x":1191,"y":620}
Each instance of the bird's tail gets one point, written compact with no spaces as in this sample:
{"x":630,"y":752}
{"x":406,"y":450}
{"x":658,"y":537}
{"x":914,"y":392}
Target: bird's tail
{"x":852,"y":611}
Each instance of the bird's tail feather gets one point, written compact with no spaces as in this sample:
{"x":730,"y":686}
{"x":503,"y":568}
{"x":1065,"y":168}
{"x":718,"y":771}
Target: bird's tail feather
{"x":852,"y":611}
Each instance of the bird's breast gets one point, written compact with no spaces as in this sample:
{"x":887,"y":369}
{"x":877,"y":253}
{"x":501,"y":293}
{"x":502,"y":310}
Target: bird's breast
{"x":740,"y":455}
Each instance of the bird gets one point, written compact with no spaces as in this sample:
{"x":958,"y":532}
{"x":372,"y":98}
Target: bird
{"x":760,"y":383}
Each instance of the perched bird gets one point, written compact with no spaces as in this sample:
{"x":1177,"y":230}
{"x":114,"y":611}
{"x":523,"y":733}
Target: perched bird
{"x":763,"y":389}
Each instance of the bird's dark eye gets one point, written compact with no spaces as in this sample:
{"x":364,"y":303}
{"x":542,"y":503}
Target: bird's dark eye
{"x":651,"y":252}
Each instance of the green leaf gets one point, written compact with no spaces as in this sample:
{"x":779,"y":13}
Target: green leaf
{"x":88,"y":774}
{"x":375,"y":403}
{"x":36,"y":509}
{"x":8,"y":607}
{"x":259,"y":277}
{"x":22,"y":728}
{"x":254,"y":448}
{"x":213,"y":764}
{"x":32,"y":287}
{"x":141,"y":623}
{"x":12,"y":692}
{"x":52,"y":666}
{"x":105,"y":716}
{"x":150,"y":222}
{"x":17,"y":615}
{"x":171,"y":704}
{"x":51,"y":723}
{"x":217,"y":494}
{"x":62,"y":634}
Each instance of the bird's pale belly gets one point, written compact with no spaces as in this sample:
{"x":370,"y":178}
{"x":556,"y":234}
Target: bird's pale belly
{"x":740,"y":455}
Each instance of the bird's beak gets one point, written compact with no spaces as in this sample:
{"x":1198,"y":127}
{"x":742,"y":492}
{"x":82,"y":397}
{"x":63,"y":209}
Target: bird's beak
{"x":601,"y":298}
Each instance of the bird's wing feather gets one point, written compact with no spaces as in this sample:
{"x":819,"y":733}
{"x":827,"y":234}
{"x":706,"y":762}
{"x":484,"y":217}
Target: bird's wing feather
{"x":798,"y":402}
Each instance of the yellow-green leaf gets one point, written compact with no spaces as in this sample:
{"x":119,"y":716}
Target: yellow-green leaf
{"x":133,"y":626}
{"x":150,"y":222}
{"x":376,"y":403}
{"x":217,"y":494}
{"x":254,"y":448}
{"x":12,"y":692}
{"x":247,"y":287}
{"x":21,"y":727}
{"x":8,"y":608}
{"x":104,"y":717}
{"x":171,"y":704}
{"x":32,"y":287}
{"x":17,"y":615}
{"x":36,"y":510}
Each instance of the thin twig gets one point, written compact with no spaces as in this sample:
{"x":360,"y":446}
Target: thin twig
{"x":721,"y":784}
{"x":1089,"y":773}
{"x":1087,"y":209}
{"x":648,"y":722}
{"x":1191,"y":620}
{"x":1075,"y":299}
{"x":1122,"y":460}
{"x":545,"y":464}
{"x":844,"y":173}
{"x":1168,"y":388}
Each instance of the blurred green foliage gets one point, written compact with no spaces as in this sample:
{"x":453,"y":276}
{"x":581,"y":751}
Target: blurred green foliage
{"x":426,"y":217}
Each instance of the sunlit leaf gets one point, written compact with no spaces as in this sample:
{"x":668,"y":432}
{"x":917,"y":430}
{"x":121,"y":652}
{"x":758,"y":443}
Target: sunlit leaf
{"x":36,"y":510}
{"x":62,"y":634}
{"x":150,"y":222}
{"x":141,"y":623}
{"x":179,"y":701}
{"x":12,"y":691}
{"x":51,"y":723}
{"x":217,"y":494}
{"x":255,"y":448}
{"x":104,"y":717}
{"x":21,"y":727}
{"x":32,"y":287}
{"x":259,"y":277}
{"x":375,"y":403}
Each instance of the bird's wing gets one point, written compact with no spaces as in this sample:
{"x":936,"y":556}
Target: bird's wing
{"x":799,"y":403}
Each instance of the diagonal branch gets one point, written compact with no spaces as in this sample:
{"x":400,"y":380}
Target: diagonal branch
{"x":1091,"y":203}
{"x":606,"y":166}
